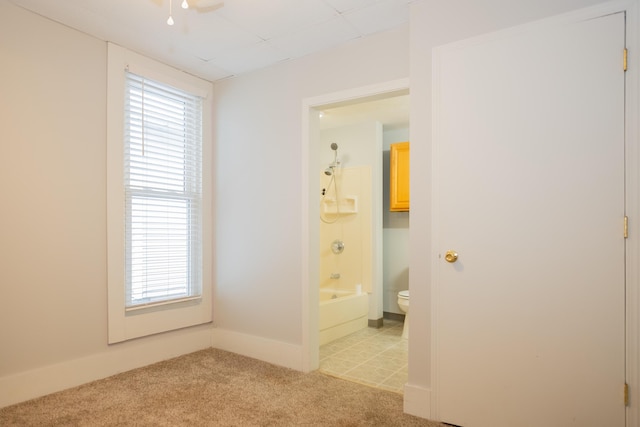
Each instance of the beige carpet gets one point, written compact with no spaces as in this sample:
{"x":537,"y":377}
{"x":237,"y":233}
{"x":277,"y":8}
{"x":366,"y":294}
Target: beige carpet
{"x":214,"y":388}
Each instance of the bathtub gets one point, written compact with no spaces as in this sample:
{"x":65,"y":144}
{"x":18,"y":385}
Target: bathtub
{"x":341,"y":313}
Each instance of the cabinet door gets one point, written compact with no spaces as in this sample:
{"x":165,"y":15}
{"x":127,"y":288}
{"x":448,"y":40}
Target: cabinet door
{"x":399,"y":177}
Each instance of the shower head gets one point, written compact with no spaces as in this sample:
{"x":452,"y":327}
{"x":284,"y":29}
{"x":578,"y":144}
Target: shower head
{"x":332,"y":166}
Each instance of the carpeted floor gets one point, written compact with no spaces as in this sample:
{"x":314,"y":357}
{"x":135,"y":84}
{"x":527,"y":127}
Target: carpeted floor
{"x":215,"y":388}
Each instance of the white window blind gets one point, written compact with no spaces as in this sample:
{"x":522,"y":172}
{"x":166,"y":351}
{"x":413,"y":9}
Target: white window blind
{"x":163,"y":193}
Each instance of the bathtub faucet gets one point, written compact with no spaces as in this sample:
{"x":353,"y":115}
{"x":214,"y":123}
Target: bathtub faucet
{"x":335,"y":275}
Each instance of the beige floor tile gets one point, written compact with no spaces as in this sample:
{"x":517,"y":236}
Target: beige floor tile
{"x":375,"y":357}
{"x":397,"y":380}
{"x":372,"y":346}
{"x":329,"y":350}
{"x":355,"y":353}
{"x":395,"y":352}
{"x":394,"y":332}
{"x":337,"y":366}
{"x":392,"y":363}
{"x":391,"y":388}
{"x":369,"y":373}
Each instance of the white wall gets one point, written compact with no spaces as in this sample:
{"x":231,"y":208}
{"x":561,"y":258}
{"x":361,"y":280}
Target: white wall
{"x":433,"y":23}
{"x":52,"y":180}
{"x":53,"y":262}
{"x":259,"y":168}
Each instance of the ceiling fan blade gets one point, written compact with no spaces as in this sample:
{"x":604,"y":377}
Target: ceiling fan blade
{"x":204,"y":6}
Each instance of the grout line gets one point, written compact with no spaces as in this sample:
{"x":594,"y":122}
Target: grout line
{"x":363,"y":339}
{"x":394,"y":373}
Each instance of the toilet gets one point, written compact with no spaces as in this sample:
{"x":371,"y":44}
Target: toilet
{"x":403,"y":303}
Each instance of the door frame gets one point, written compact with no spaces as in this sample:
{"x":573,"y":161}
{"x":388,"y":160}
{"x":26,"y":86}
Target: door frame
{"x":311,"y":211}
{"x":632,"y":191}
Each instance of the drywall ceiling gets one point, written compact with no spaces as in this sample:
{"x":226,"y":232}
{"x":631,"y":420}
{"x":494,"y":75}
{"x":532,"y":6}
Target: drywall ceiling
{"x":216,"y":39}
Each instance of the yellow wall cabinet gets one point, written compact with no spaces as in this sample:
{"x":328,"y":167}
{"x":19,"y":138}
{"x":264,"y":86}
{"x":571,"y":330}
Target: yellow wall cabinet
{"x":399,"y":177}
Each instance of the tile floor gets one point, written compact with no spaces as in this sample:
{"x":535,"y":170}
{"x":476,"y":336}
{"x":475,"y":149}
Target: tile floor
{"x":375,"y":357}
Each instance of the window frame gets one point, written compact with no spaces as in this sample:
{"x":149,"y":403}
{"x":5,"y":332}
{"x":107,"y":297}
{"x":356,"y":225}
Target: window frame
{"x":126,"y":324}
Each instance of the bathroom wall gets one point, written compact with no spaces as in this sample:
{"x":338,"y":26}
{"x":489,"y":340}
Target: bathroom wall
{"x":359,"y":145}
{"x":395,"y":233}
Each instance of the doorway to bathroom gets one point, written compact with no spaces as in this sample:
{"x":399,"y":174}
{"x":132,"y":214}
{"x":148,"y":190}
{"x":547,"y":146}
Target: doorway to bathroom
{"x":339,"y":120}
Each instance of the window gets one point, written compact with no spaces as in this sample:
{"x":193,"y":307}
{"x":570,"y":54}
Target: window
{"x":158,"y":198}
{"x":163,"y":192}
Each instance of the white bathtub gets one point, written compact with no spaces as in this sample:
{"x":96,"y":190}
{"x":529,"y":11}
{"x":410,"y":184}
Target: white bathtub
{"x":341,"y":315}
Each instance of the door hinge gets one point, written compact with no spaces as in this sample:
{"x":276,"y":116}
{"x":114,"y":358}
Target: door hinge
{"x":626,"y":394}
{"x":626,"y":226}
{"x":624,"y":59}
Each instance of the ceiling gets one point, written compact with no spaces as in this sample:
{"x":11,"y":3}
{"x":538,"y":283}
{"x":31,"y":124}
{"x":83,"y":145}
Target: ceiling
{"x":216,"y":39}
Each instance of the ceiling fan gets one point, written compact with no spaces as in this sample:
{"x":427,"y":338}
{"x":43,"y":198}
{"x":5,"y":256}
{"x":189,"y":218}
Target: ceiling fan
{"x":202,"y":6}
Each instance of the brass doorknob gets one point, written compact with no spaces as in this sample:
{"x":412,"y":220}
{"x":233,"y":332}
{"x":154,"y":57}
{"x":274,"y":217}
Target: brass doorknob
{"x":451,"y":256}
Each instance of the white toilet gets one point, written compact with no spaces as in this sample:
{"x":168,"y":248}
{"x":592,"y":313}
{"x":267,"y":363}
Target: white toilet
{"x":403,"y":303}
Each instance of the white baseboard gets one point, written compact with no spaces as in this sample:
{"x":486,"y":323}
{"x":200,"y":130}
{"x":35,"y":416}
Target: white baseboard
{"x":123,"y":357}
{"x":417,"y":401}
{"x":271,"y":351}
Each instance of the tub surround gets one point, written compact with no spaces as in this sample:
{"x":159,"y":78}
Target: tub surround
{"x":342,"y":315}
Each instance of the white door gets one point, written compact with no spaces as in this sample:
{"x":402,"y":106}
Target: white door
{"x":528,"y":191}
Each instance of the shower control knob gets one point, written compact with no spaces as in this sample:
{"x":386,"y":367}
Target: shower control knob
{"x":337,"y":246}
{"x":451,"y":256}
